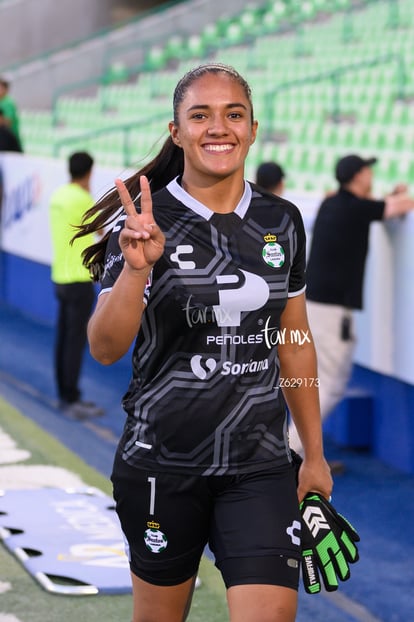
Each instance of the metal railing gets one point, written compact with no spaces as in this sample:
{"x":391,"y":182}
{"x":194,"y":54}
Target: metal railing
{"x":123,"y":128}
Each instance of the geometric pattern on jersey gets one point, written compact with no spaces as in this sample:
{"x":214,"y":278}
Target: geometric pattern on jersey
{"x":204,"y":392}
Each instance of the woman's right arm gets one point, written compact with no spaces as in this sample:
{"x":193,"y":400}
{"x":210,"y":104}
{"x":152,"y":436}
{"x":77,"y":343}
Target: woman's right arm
{"x":117,"y":317}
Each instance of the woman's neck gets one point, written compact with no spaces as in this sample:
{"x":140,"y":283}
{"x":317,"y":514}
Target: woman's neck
{"x":221,"y":196}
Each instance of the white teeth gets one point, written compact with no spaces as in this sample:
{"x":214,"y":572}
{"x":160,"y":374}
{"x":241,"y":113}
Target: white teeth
{"x":218,"y":147}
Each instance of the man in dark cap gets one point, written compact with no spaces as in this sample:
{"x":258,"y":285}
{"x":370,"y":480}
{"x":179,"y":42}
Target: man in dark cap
{"x":335,"y":272}
{"x":270,"y":176}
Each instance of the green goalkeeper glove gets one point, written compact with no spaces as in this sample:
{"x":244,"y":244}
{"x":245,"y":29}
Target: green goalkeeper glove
{"x":328,"y":544}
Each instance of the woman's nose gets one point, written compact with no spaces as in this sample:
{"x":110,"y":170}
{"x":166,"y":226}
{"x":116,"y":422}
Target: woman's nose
{"x":217,"y":125}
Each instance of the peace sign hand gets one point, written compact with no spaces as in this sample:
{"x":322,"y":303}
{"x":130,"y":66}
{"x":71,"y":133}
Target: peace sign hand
{"x":141,"y":240}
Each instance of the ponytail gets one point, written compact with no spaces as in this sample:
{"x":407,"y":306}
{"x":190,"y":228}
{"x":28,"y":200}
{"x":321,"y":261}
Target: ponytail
{"x":168,"y":164}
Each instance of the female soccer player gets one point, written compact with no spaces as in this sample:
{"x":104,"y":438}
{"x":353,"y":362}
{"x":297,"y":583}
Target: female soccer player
{"x":205,"y":273}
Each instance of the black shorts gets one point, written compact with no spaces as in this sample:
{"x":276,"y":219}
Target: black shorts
{"x":251,"y":523}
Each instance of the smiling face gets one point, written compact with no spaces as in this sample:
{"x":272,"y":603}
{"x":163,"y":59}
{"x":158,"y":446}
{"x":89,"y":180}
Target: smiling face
{"x":214,"y":127}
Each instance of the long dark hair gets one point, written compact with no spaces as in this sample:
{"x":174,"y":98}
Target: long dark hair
{"x":167,"y":164}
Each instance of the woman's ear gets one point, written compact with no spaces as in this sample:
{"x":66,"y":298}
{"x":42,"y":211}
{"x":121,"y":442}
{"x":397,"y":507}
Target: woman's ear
{"x":174,"y":133}
{"x":255,"y":126}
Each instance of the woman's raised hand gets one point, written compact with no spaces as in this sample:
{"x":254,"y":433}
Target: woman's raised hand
{"x":141,"y":240}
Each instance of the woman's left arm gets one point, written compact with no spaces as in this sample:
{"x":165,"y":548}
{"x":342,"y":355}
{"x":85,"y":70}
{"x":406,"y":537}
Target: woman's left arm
{"x":299,"y":383}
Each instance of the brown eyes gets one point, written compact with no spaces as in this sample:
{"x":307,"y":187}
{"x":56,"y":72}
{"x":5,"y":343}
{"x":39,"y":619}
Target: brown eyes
{"x":199,"y":116}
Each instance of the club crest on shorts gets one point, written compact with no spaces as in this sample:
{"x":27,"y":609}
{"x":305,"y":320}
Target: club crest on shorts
{"x":273,"y":253}
{"x":155,"y":540}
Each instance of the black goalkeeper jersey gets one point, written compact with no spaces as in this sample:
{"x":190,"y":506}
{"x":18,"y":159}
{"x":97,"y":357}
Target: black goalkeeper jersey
{"x":204,"y":391}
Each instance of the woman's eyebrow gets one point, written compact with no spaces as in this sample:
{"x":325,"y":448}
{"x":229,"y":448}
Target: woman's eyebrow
{"x":207,"y":106}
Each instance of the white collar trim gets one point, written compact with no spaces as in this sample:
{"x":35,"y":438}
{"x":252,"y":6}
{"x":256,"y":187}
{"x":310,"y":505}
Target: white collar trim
{"x":199,"y":208}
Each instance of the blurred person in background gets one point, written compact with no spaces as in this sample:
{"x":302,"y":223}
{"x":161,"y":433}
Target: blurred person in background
{"x":335,"y":274}
{"x":8,"y":140}
{"x":10,"y":112}
{"x":271,"y":176}
{"x":1,"y":206}
{"x":74,"y":289}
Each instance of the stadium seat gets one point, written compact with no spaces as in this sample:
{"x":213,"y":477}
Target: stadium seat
{"x":117,"y":72}
{"x":155,"y":58}
{"x":262,"y":43}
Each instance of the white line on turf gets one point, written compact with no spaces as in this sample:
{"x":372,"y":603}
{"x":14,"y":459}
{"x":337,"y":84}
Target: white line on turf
{"x":9,"y":452}
{"x":18,"y":476}
{"x":5,"y":586}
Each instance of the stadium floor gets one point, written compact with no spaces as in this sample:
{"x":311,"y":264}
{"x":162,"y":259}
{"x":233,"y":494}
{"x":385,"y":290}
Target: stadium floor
{"x":377,"y":499}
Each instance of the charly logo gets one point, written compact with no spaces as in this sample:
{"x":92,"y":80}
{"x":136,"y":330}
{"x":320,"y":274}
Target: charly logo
{"x":295,"y":526}
{"x":183,"y":249}
{"x":155,"y":540}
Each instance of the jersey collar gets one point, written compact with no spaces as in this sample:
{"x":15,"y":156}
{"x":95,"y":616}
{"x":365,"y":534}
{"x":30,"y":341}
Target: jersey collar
{"x":199,"y":208}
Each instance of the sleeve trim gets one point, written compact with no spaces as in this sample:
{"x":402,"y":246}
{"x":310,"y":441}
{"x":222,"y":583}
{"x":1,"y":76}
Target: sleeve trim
{"x":297,"y":293}
{"x":105,"y":290}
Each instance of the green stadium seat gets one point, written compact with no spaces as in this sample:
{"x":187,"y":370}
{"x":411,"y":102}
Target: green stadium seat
{"x":196,"y":46}
{"x":175,"y":47}
{"x":210,"y":35}
{"x":117,"y":72}
{"x":304,"y":137}
{"x":155,"y":58}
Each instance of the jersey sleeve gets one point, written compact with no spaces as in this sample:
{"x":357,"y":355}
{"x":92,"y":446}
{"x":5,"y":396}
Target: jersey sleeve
{"x":297,"y":276}
{"x":114,"y":262}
